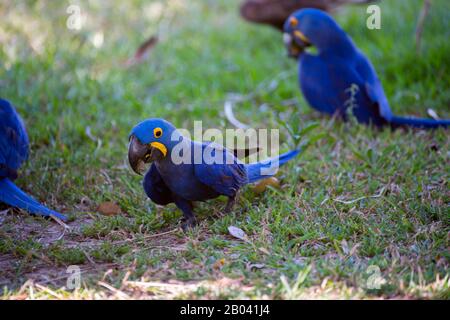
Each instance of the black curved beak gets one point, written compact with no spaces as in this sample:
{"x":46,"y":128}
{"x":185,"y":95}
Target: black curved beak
{"x":138,"y":155}
{"x":295,"y":47}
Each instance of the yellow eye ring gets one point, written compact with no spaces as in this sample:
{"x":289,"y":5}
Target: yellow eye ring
{"x":157,"y":132}
{"x":293,"y":21}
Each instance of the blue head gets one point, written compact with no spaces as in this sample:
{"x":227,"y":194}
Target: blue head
{"x":313,"y":27}
{"x":151,"y":140}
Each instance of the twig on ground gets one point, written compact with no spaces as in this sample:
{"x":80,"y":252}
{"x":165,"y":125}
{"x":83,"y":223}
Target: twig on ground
{"x":146,"y":237}
{"x":228,"y":109}
{"x":234,"y":98}
{"x":120,"y":294}
{"x":420,"y":23}
{"x":48,"y":290}
{"x":361,"y":198}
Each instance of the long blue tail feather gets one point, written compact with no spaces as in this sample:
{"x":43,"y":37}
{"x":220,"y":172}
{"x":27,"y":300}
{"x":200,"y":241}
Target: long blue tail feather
{"x":261,"y":170}
{"x":14,"y":196}
{"x":419,"y":122}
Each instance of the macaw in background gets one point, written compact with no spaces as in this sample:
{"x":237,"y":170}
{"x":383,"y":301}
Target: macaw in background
{"x":275,"y":12}
{"x":14,"y":146}
{"x":340,"y":76}
{"x":169,"y":180}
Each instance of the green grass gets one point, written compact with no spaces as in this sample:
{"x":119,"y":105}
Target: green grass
{"x":79,"y":103}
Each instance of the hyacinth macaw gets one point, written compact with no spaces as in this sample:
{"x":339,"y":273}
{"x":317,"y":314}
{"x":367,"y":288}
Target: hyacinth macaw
{"x":340,"y":76}
{"x":170,"y":180}
{"x":14,"y":146}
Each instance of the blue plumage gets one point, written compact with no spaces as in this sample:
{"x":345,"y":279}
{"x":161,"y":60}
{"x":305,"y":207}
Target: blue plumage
{"x":340,"y":77}
{"x":254,"y":169}
{"x":184,"y":171}
{"x":14,"y":147}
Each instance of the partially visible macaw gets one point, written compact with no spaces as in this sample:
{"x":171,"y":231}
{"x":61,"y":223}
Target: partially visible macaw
{"x":14,"y":146}
{"x":275,"y":12}
{"x":183,"y":171}
{"x":340,"y":76}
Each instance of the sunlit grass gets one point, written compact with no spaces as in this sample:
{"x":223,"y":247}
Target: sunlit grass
{"x":312,"y":238}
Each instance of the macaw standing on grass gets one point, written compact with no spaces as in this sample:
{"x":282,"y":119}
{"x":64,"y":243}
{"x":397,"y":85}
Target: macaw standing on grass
{"x":340,"y":76}
{"x":172,"y":181}
{"x":14,"y":146}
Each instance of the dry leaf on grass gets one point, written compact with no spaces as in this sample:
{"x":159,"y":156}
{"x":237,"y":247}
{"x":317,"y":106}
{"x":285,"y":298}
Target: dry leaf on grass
{"x":142,"y":52}
{"x":237,"y":233}
{"x":109,"y":208}
{"x":219,"y":264}
{"x":262,"y":185}
{"x":433,"y":114}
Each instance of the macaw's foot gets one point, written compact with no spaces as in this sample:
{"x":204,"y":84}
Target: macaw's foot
{"x":188,"y":223}
{"x":230,"y":204}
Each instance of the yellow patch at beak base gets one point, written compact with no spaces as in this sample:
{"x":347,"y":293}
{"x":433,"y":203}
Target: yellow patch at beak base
{"x":160,"y":147}
{"x":301,"y":36}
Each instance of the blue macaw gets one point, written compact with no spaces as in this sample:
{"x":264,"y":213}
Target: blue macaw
{"x":340,"y":76}
{"x":14,"y":146}
{"x":183,"y":171}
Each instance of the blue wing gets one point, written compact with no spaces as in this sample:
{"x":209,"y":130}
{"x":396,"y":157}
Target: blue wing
{"x":225,"y":177}
{"x":375,"y":92}
{"x":373,"y":85}
{"x":13,"y":141}
{"x":331,"y":84}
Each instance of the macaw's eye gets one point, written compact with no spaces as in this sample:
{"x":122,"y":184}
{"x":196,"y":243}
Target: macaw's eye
{"x":157,"y":132}
{"x":293,"y":22}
